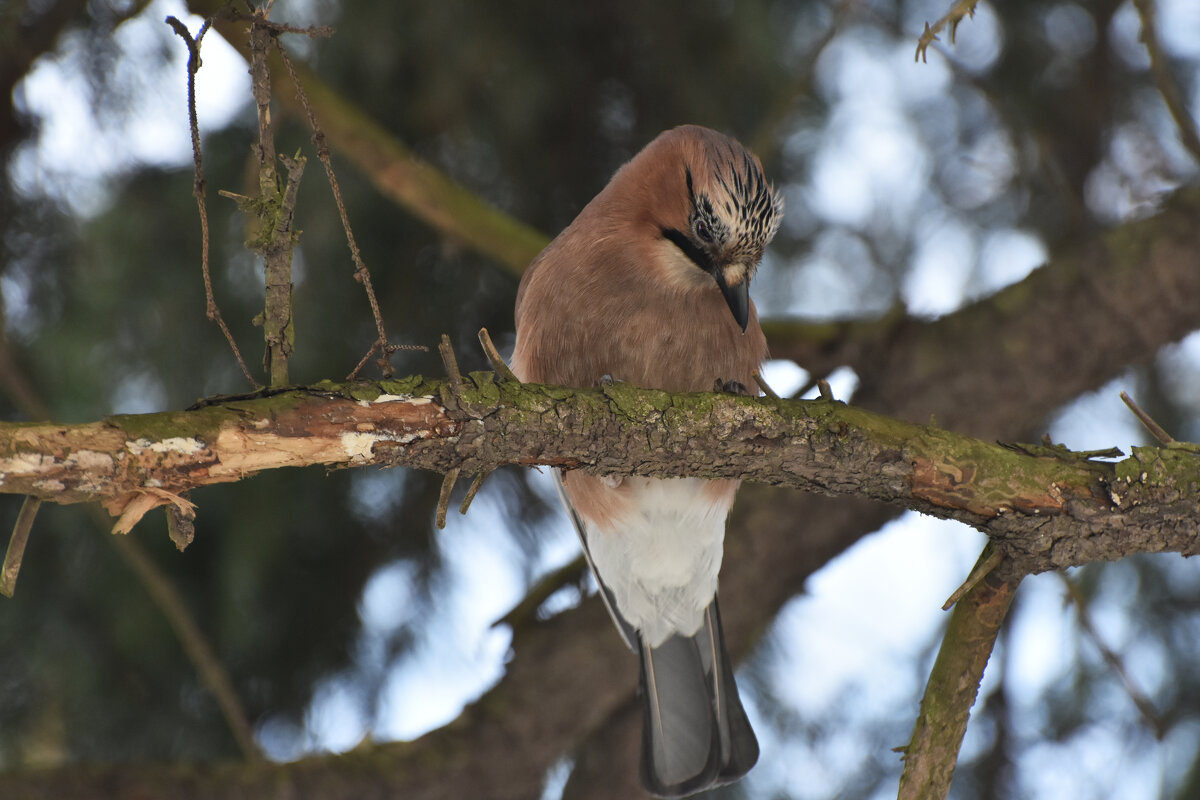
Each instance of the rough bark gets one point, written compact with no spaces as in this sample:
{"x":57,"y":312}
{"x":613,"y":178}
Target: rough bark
{"x":1047,"y":507}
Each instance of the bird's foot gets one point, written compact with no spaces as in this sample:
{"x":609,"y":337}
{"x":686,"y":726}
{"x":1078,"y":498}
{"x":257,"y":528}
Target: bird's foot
{"x":731,"y":387}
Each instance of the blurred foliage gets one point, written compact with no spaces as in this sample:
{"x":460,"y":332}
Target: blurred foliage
{"x":1047,"y":125}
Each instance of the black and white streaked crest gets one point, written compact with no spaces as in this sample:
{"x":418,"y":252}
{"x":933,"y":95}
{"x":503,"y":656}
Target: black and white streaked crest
{"x":740,"y":213}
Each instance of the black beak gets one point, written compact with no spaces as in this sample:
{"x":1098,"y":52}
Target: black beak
{"x":737,"y":297}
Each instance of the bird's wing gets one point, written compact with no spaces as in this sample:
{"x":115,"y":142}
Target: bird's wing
{"x":627,"y":631}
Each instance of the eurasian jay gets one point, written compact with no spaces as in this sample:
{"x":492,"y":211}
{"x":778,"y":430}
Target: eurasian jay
{"x":650,"y":285}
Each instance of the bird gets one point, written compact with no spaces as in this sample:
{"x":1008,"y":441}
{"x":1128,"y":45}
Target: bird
{"x":650,"y":285}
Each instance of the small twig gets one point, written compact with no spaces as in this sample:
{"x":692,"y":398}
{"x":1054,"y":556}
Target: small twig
{"x":444,"y":497}
{"x":263,"y":18}
{"x":762,"y":384}
{"x":1143,"y":703}
{"x":473,"y":490}
{"x":1189,"y":132}
{"x":361,"y":273}
{"x":387,"y":349}
{"x":198,"y":188}
{"x":362,"y":362}
{"x":451,"y":363}
{"x":489,"y":349}
{"x":980,"y":571}
{"x":960,"y":9}
{"x":181,"y":525}
{"x":805,"y":389}
{"x":16,"y":545}
{"x":826,"y":392}
{"x":1155,"y":429}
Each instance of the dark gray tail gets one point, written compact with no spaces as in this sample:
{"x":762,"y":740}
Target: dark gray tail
{"x":695,"y":732}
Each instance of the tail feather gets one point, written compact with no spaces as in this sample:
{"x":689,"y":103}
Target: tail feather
{"x":695,"y":731}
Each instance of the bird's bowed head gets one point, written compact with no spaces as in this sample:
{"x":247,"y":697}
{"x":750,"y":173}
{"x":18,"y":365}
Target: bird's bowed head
{"x":704,"y":197}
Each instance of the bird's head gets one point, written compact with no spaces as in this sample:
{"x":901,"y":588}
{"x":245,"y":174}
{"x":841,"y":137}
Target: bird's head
{"x":726,"y":214}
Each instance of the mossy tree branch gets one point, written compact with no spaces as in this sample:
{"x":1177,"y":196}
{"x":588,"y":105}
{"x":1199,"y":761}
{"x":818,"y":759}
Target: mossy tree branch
{"x":1046,"y":507}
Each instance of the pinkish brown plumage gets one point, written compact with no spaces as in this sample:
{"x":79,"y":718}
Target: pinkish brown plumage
{"x":649,"y":285}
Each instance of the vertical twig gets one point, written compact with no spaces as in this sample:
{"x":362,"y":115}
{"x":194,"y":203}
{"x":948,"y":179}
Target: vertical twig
{"x":16,"y":545}
{"x":450,"y":361}
{"x":198,"y":187}
{"x":361,"y":273}
{"x":275,"y":209}
{"x":473,"y":490}
{"x":279,"y":330}
{"x":448,"y":481}
{"x":503,"y":373}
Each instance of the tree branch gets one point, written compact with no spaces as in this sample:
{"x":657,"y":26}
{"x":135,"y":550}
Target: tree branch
{"x":1045,"y":506}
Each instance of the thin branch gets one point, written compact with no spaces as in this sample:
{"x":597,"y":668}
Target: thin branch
{"x":766,"y":387}
{"x":198,"y":187}
{"x":450,"y":362}
{"x":443,"y":505}
{"x":16,"y":545}
{"x":975,"y":622}
{"x":195,"y":645}
{"x":1189,"y":133}
{"x":211,"y":671}
{"x":1141,"y":701}
{"x":957,"y":13}
{"x":473,"y":490}
{"x":985,"y":565}
{"x":279,"y":327}
{"x":274,"y":211}
{"x":361,"y":273}
{"x":493,"y":355}
{"x":1155,"y":429}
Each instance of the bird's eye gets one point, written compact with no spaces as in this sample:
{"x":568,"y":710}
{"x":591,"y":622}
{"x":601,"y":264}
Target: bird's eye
{"x":703,"y":231}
